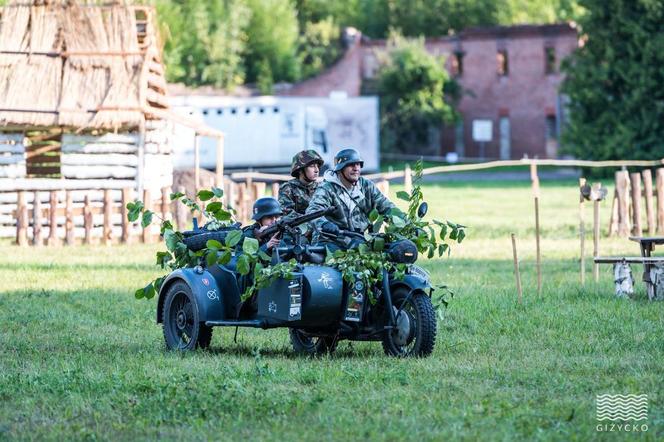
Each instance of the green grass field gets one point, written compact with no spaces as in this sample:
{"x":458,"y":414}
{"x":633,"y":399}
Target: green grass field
{"x":80,"y":358}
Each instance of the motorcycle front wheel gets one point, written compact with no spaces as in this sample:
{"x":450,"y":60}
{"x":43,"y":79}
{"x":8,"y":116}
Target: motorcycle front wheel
{"x":182,"y":328}
{"x":415,"y":330}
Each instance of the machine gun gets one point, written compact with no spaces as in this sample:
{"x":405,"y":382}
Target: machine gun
{"x":286,"y":224}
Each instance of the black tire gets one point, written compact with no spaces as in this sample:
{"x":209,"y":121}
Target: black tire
{"x":306,"y":345}
{"x":199,"y":242}
{"x":415,"y":334}
{"x":182,"y":328}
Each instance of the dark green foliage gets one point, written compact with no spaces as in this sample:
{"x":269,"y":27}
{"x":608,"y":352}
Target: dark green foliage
{"x":319,"y":47}
{"x":412,"y":85}
{"x":614,"y":82}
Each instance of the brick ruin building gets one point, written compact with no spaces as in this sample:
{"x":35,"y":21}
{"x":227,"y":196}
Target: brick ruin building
{"x":510,"y":75}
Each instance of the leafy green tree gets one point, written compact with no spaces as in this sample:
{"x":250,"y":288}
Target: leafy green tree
{"x":320,"y":46}
{"x":273,"y":38}
{"x":204,"y":41}
{"x":614,"y":82}
{"x":412,"y":85}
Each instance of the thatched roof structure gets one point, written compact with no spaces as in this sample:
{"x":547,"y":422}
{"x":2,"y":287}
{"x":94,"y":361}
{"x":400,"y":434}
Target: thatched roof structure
{"x":80,"y":66}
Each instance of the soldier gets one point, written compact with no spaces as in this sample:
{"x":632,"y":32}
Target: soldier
{"x":294,"y":195}
{"x":266,"y":212}
{"x":352,"y":196}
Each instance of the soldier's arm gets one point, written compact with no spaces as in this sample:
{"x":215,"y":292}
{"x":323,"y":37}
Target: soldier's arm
{"x":320,"y":201}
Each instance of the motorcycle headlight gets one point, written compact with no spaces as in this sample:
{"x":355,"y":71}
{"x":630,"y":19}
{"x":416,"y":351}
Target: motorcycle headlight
{"x":419,"y":271}
{"x":403,"y":252}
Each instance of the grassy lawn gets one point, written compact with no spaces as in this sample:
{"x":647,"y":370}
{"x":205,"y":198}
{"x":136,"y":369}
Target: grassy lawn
{"x":81,"y":358}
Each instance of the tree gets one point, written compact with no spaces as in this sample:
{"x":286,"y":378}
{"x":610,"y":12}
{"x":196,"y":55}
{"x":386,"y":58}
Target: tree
{"x":320,"y":46}
{"x":614,"y":82}
{"x":412,"y":85}
{"x":272,"y":42}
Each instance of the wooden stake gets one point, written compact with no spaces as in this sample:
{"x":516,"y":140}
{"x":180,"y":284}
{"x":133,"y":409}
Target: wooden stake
{"x":622,"y":187}
{"x":126,"y":198}
{"x":87,"y":220}
{"x":181,"y":212}
{"x":108,"y":210}
{"x":69,"y":219}
{"x":407,"y":179}
{"x":219,"y":170}
{"x":650,"y":211}
{"x":21,"y":220}
{"x":53,"y":220}
{"x":613,"y":223}
{"x":259,"y":190}
{"x":536,"y":193}
{"x":596,"y":187}
{"x":582,"y":231}
{"x":517,"y":275}
{"x":197,"y":166}
{"x":165,"y":203}
{"x":36,"y":220}
{"x":275,"y":189}
{"x":636,"y":204}
{"x":660,"y":200}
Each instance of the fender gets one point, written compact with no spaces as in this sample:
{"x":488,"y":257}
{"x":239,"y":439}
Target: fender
{"x":207,"y":295}
{"x":412,"y":283}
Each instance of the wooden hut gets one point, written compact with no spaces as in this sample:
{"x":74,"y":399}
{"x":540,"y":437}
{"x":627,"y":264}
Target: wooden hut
{"x":83,"y":101}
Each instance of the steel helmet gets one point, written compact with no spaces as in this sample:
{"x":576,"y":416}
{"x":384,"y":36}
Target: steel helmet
{"x":303,"y":159}
{"x":345,"y":157}
{"x":267,"y":206}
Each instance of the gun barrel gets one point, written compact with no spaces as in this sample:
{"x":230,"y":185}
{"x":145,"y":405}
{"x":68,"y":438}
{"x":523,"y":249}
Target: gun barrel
{"x":279,"y":225}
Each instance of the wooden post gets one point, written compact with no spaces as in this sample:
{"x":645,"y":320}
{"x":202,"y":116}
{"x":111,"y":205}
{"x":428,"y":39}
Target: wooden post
{"x":219,"y":170}
{"x":275,"y":189}
{"x":517,"y":275}
{"x":613,"y":223}
{"x":650,"y":211}
{"x":660,"y":200}
{"x":259,"y":190}
{"x":147,"y":201}
{"x":36,"y":220}
{"x":53,"y":219}
{"x":126,"y":198}
{"x":87,"y":220}
{"x":622,"y":187}
{"x":69,"y":219}
{"x":636,"y":204}
{"x":165,"y":202}
{"x":536,"y":193}
{"x":108,"y":210}
{"x":407,"y":179}
{"x":197,"y":165}
{"x":582,"y":231}
{"x":242,"y":202}
{"x":596,"y":187}
{"x":21,"y":220}
{"x":181,"y":211}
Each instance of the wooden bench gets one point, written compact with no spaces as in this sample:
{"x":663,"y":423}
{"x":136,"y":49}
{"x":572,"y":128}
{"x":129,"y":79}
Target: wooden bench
{"x":647,"y":262}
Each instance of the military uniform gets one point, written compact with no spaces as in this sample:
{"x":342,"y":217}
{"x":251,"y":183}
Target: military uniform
{"x":267,"y":206}
{"x":294,"y":195}
{"x":351,"y":206}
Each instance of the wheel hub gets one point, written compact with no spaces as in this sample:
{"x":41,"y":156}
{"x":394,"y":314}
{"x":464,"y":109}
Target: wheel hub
{"x":181,"y":319}
{"x":401,"y":333}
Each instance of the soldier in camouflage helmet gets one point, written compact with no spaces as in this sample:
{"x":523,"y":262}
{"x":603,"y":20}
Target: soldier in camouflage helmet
{"x":351,"y":196}
{"x":294,"y":195}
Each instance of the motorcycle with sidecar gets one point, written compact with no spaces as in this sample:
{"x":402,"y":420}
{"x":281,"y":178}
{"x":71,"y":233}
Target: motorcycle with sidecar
{"x":318,"y":306}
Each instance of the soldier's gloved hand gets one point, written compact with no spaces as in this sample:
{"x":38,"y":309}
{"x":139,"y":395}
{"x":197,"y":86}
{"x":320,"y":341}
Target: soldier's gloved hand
{"x":330,"y":227}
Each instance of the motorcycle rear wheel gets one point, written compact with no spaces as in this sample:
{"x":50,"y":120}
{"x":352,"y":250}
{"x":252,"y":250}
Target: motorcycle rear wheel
{"x":306,"y":345}
{"x":182,"y":328}
{"x":415,"y":333}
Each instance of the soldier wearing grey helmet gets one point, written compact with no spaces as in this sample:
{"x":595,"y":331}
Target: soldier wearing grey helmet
{"x":294,"y":195}
{"x":266,"y":211}
{"x":351,"y":196}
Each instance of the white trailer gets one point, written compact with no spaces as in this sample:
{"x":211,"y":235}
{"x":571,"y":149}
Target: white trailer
{"x":265,"y":132}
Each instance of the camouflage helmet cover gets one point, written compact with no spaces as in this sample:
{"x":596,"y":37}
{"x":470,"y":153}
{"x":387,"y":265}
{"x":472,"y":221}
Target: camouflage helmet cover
{"x":304,"y":158}
{"x":267,"y":206}
{"x":345,"y":157}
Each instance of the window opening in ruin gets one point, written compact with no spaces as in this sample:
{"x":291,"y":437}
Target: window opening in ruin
{"x":503,"y":63}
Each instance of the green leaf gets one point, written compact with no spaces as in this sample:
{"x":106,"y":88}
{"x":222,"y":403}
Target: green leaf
{"x":264,"y":256}
{"x":461,"y":235}
{"x":243,"y":266}
{"x":147,"y":218}
{"x":378,"y":244}
{"x":139,"y":294}
{"x":171,"y":239}
{"x":442,"y":248}
{"x":163,"y":258}
{"x":158,"y":282}
{"x":443,"y":231}
{"x":250,"y":246}
{"x":205,"y":195}
{"x":135,"y":210}
{"x":176,"y":195}
{"x":403,"y":195}
{"x":398,"y":222}
{"x":218,"y":192}
{"x":213,"y":207}
{"x":233,"y":237}
{"x":211,"y":258}
{"x":213,"y":244}
{"x":149,"y":291}
{"x":373,"y":215}
{"x":223,"y":215}
{"x":453,"y":234}
{"x":225,"y":258}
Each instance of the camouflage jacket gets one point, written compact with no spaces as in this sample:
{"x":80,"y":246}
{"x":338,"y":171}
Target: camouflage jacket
{"x":351,"y":207}
{"x":294,"y":197}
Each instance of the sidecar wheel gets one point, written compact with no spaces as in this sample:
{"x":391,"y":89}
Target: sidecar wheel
{"x":306,"y":345}
{"x":415,"y":333}
{"x":182,"y":328}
